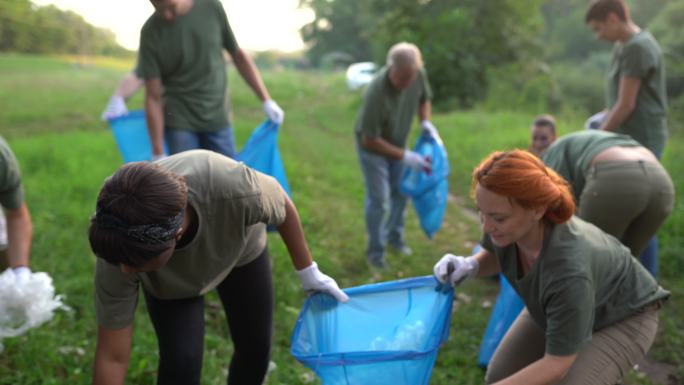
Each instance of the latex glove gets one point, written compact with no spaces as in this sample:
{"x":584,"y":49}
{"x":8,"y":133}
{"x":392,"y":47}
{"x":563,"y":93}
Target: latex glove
{"x":455,"y":269}
{"x":115,"y":107}
{"x":273,"y":111}
{"x":156,"y":157}
{"x":594,"y":122}
{"x":313,"y":280}
{"x":430,"y":128}
{"x":22,"y":274}
{"x":415,"y":161}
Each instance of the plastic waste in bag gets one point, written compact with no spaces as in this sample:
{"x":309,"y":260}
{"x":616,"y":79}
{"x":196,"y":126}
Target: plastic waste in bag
{"x":387,"y":333}
{"x":261,"y":153}
{"x":27,"y":305}
{"x":429,"y":190}
{"x":132,"y":138}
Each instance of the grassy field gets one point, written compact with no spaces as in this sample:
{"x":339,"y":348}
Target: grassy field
{"x":50,"y":116}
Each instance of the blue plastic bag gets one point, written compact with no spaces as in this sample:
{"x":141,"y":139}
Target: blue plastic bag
{"x":132,"y":138}
{"x":429,"y":191}
{"x":261,"y":153}
{"x":507,"y":308}
{"x":388,"y":333}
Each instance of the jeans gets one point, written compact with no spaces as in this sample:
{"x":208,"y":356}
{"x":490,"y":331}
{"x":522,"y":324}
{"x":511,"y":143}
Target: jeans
{"x":382,"y":177}
{"x":221,"y":141}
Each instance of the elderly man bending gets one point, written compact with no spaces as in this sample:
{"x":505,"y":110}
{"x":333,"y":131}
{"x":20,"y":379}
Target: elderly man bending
{"x":398,"y":90}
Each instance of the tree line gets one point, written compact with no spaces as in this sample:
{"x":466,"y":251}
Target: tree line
{"x":538,"y":52}
{"x":27,"y":28}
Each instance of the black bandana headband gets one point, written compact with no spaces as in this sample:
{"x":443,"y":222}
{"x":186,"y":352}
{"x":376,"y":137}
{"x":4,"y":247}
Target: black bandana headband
{"x":153,"y":233}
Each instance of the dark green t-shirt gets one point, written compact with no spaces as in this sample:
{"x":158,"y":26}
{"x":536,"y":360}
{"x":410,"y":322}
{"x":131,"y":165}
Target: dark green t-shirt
{"x":233,"y":202}
{"x":387,"y":112}
{"x":187,"y":56}
{"x":641,"y":57}
{"x":11,"y":191}
{"x":583,"y":281}
{"x":571,"y":155}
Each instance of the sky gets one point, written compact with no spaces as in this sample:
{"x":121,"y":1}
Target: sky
{"x":258,"y":25}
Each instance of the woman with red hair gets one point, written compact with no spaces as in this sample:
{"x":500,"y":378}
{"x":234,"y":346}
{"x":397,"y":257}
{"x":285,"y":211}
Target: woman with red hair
{"x":591,"y":310}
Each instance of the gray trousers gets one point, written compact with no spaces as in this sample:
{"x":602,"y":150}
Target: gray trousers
{"x":628,"y":200}
{"x":612,"y":352}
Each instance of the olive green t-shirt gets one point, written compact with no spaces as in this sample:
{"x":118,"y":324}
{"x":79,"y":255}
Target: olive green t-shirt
{"x":571,"y":155}
{"x":641,"y":57}
{"x":387,"y":112}
{"x":583,"y":280}
{"x":187,"y":56}
{"x":11,"y":191}
{"x":234,"y":203}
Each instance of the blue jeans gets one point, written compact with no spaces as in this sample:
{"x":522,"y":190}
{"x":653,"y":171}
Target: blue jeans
{"x":649,"y":257}
{"x":221,"y":141}
{"x":382,"y":177}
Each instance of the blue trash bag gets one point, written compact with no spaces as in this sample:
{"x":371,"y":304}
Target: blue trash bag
{"x":388,"y":333}
{"x":428,"y":191}
{"x":261,"y":153}
{"x":132,"y":138}
{"x":430,"y":207}
{"x":507,"y":308}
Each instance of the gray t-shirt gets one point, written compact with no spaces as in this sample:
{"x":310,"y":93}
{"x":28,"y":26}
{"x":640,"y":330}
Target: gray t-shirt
{"x":641,"y":57}
{"x":582,"y":281}
{"x":11,"y":191}
{"x":187,"y":56}
{"x":234,"y":203}
{"x":387,"y":112}
{"x":571,"y":155}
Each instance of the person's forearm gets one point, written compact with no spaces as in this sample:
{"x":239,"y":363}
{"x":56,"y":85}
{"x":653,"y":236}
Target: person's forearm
{"x":293,"y":235}
{"x":19,"y":236}
{"x":616,"y":117}
{"x":112,"y":355}
{"x":381,"y":146}
{"x":249,"y":72}
{"x":109,"y":372}
{"x":545,"y":371}
{"x":425,"y":110}
{"x":128,"y":86}
{"x":154,"y":113}
{"x":488,"y":263}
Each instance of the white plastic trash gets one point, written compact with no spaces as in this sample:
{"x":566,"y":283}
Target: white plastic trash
{"x":27,"y":305}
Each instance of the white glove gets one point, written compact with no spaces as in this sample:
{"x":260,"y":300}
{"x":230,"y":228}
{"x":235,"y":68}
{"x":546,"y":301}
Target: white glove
{"x":313,"y":280}
{"x":115,"y":108}
{"x":273,"y":111}
{"x":430,"y":128}
{"x":595,"y":121}
{"x":156,"y":157}
{"x":22,"y":274}
{"x":415,"y":161}
{"x":454,"y":269}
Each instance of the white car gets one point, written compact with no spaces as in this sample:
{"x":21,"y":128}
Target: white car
{"x":360,"y":74}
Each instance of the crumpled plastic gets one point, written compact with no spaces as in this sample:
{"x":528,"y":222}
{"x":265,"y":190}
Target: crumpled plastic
{"x":27,"y":305}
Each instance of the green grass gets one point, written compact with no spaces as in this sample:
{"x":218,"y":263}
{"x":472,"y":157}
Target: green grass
{"x":51,"y":119}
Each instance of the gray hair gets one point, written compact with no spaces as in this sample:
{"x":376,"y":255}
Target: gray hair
{"x":404,"y":55}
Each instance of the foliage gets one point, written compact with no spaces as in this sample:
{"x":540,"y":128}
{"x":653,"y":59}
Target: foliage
{"x":460,"y":40}
{"x":27,"y":28}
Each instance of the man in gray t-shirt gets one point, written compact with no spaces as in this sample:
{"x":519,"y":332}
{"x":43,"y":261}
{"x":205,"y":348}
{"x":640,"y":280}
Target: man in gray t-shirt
{"x":381,"y":129}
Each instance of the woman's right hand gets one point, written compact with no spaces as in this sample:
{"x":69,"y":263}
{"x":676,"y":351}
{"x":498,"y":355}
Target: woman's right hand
{"x":455,"y":269}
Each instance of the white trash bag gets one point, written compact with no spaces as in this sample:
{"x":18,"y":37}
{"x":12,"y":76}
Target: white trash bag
{"x":26,"y":305}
